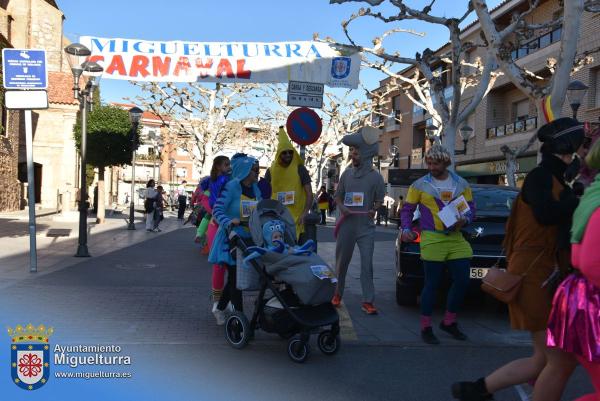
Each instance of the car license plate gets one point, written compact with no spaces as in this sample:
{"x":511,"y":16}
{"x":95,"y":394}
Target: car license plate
{"x":478,"y":272}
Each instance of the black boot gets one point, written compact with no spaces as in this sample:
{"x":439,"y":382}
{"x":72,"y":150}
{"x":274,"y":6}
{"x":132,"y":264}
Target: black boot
{"x":428,"y":336}
{"x":471,"y":391}
{"x":453,"y":330}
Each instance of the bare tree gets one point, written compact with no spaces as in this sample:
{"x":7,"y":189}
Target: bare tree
{"x":198,"y":116}
{"x":341,"y":114}
{"x":426,"y":87}
{"x":548,"y":93}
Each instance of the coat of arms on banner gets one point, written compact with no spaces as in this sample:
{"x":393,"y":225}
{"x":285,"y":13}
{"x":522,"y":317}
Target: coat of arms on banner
{"x":30,"y":355}
{"x":340,"y":67}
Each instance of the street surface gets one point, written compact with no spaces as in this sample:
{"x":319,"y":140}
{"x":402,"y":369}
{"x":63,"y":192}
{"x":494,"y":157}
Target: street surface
{"x":150,"y":294}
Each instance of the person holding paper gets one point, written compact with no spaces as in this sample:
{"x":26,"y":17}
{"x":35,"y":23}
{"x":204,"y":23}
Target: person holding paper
{"x":445,"y":203}
{"x":359,"y":194}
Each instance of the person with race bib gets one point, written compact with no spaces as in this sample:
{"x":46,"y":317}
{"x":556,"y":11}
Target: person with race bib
{"x":441,"y":245}
{"x":232,"y":210}
{"x":359,"y":194}
{"x":290,"y":182}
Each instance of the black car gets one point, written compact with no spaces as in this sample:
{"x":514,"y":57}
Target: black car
{"x":485,"y":234}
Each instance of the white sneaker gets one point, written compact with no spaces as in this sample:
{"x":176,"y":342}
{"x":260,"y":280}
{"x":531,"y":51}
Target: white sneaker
{"x":219,"y":314}
{"x":230,"y":308}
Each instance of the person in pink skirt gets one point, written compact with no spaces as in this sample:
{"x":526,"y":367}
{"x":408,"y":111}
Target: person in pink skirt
{"x":574,"y":323}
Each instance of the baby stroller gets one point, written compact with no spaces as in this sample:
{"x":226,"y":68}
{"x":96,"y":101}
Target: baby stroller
{"x":291,"y":311}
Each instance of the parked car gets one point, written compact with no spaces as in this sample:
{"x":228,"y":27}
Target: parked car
{"x":485,"y":234}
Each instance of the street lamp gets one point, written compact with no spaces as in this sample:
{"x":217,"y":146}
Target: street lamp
{"x":575,"y":93}
{"x":135,"y":114}
{"x":466,"y":133}
{"x":76,"y":55}
{"x":431,"y":133}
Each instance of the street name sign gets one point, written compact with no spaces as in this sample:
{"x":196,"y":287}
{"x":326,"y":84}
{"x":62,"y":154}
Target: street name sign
{"x":24,"y":69}
{"x":305,"y":94}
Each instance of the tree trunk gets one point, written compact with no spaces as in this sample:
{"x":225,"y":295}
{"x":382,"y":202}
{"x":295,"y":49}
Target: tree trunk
{"x":101,"y":207}
{"x":208,"y":158}
{"x":449,"y":142}
{"x":511,"y":169}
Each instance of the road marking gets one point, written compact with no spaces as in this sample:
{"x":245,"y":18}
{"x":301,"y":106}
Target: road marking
{"x":346,"y":327}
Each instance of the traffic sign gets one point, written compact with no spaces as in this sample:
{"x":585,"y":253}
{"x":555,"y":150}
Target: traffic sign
{"x":305,"y":94}
{"x":24,"y":69}
{"x":304,"y":126}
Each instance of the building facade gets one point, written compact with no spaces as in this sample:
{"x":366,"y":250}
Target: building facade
{"x":505,"y":116}
{"x":38,"y":24}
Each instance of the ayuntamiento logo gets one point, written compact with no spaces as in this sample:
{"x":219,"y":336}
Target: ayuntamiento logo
{"x":30,"y":355}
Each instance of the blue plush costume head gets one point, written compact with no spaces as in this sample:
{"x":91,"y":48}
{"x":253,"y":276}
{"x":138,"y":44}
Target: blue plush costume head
{"x":270,"y":227}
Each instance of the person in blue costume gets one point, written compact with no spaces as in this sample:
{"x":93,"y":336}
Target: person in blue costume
{"x":232,"y":211}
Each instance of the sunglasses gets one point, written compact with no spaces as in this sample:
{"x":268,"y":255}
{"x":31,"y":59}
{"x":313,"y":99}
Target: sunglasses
{"x":287,"y":152}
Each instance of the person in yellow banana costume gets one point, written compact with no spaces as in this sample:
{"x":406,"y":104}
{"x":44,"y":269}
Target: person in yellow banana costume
{"x":290,"y":181}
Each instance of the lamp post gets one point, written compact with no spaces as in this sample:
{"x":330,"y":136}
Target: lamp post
{"x":575,"y":93}
{"x":135,"y":114}
{"x":76,"y":55}
{"x":466,"y":133}
{"x":431,"y":133}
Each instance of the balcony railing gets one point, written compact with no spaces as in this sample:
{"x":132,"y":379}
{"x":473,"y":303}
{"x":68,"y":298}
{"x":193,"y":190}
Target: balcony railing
{"x":537,"y":44}
{"x":516,"y":127}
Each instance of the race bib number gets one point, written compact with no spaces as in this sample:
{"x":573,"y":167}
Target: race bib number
{"x":287,"y":198}
{"x":323,"y":272}
{"x":247,"y":206}
{"x":446,"y":196}
{"x":354,"y":199}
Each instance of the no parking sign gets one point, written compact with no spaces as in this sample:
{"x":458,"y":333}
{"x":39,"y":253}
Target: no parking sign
{"x":304,"y":126}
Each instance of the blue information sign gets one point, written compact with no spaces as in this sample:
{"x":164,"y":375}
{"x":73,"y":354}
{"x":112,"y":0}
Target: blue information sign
{"x":24,"y":69}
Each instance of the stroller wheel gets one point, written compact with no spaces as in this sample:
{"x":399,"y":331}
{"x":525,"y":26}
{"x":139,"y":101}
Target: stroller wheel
{"x":298,"y":350}
{"x":328,"y":343}
{"x":237,"y":330}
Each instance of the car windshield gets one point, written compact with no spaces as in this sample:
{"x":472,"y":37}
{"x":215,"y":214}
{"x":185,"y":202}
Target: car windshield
{"x":494,"y":201}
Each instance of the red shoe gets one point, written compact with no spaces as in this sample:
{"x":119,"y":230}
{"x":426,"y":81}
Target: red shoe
{"x":336,"y":301}
{"x":205,"y":250}
{"x":369,"y":308}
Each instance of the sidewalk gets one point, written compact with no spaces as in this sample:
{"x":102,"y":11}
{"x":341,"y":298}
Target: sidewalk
{"x":56,"y":252}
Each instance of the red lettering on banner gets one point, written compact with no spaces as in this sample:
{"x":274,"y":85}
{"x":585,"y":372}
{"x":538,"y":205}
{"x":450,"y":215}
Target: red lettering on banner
{"x":204,"y":66}
{"x":160,"y":67}
{"x":224,"y":67}
{"x":118,"y":65}
{"x":182,"y":65}
{"x":139,"y":65}
{"x":95,"y":58}
{"x":241,"y":72}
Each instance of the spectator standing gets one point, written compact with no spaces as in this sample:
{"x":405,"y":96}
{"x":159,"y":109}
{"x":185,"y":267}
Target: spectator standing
{"x":149,"y":205}
{"x":159,"y":205}
{"x":537,"y":242}
{"x":181,"y":199}
{"x":290,"y":181}
{"x":441,"y":246}
{"x":359,"y":193}
{"x":323,"y":202}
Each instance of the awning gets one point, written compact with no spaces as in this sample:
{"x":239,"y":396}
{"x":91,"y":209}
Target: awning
{"x":497,"y":167}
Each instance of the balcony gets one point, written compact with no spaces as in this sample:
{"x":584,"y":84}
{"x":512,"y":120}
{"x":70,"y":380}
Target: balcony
{"x":516,"y":127}
{"x":537,"y":44}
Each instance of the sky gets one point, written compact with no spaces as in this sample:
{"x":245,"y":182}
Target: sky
{"x":243,"y":20}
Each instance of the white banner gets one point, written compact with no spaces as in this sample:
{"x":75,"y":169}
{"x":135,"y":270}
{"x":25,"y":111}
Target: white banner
{"x":239,"y":62}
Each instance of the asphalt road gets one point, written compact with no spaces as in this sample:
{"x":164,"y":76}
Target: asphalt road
{"x":153,"y":299}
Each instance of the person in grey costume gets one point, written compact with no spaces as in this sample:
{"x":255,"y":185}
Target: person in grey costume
{"x":359,"y":194}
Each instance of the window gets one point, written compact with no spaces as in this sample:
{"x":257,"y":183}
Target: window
{"x":493,"y":202}
{"x":181,"y":152}
{"x":520,"y":110}
{"x":182,"y":172}
{"x":395,"y":142}
{"x":150,"y":151}
{"x":396,"y":107}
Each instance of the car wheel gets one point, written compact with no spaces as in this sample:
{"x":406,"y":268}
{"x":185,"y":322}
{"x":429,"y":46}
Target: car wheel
{"x":406,"y":295}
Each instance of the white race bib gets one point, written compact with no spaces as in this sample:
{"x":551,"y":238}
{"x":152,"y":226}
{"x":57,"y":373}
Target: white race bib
{"x":354,"y":199}
{"x":247,"y":207}
{"x":287,"y":198}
